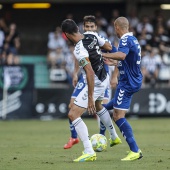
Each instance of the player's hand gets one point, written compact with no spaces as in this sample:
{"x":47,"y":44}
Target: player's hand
{"x":113,"y":82}
{"x":91,"y":106}
{"x":110,"y":62}
{"x":75,"y":80}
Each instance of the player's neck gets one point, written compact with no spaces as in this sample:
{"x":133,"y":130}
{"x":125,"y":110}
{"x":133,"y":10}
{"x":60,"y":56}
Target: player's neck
{"x":77,"y":37}
{"x":123,"y":32}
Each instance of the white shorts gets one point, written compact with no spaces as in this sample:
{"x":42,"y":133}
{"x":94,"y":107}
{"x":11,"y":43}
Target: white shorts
{"x":99,"y":91}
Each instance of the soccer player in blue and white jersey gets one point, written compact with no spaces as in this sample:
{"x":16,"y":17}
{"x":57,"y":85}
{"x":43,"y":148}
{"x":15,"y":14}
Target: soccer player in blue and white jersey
{"x":130,"y":81}
{"x":89,"y":25}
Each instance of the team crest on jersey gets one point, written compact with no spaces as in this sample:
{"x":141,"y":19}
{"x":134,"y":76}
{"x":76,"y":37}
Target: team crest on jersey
{"x":82,"y":62}
{"x":93,"y":43}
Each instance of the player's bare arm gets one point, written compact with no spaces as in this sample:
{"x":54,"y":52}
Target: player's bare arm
{"x":107,"y":46}
{"x":116,"y":56}
{"x":114,"y":78}
{"x":90,"y":82}
{"x":75,"y":73}
{"x":110,"y":61}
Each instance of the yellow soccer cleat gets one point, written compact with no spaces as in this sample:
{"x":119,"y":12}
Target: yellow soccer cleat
{"x":133,"y":156}
{"x":115,"y":142}
{"x":86,"y":158}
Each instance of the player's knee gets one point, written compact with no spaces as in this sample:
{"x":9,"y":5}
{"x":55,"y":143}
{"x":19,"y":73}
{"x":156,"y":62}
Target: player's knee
{"x":117,"y":116}
{"x":69,"y":106}
{"x":71,"y":116}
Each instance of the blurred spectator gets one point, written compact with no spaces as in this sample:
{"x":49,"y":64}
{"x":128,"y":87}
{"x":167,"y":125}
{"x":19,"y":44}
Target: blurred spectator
{"x":150,"y":67}
{"x":56,"y":58}
{"x":133,"y":19}
{"x":159,"y":38}
{"x":69,"y":59}
{"x":3,"y":32}
{"x":145,"y":25}
{"x":2,"y":38}
{"x":101,"y":22}
{"x":111,"y":33}
{"x":13,"y":39}
{"x":115,"y":14}
{"x":144,"y":38}
{"x":55,"y":40}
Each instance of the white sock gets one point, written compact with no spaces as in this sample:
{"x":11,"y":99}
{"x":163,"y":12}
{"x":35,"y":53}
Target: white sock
{"x":98,"y":120}
{"x":107,"y":121}
{"x":82,"y":132}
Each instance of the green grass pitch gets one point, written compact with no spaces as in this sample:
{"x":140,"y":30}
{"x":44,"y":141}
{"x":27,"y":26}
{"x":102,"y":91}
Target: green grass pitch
{"x":38,"y":145}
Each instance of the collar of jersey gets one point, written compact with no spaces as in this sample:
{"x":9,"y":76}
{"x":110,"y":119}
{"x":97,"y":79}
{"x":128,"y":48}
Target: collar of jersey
{"x":129,"y":33}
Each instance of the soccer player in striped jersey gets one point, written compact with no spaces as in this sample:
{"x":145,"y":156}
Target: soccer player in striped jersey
{"x":87,"y":52}
{"x":89,"y":24}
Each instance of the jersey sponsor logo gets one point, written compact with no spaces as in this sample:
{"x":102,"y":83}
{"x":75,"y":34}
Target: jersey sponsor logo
{"x":93,"y":43}
{"x":100,"y":67}
{"x":119,"y":63}
{"x":122,"y":72}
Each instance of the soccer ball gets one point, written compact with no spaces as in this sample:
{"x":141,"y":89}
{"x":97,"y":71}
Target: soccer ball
{"x":99,"y":142}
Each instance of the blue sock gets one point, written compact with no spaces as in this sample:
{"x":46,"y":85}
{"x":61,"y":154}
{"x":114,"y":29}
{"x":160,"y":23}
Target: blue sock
{"x":109,"y":106}
{"x":127,"y":132}
{"x":102,"y":128}
{"x":72,"y":130}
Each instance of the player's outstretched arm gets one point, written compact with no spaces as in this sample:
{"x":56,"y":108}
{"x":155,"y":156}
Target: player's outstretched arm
{"x":110,"y":62}
{"x":107,"y":46}
{"x":117,"y":55}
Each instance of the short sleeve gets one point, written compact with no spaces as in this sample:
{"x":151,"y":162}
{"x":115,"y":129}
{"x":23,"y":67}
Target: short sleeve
{"x":80,"y":52}
{"x":100,"y":40}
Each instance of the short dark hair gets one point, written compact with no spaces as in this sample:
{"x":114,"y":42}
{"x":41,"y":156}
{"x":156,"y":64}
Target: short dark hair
{"x":69,"y":26}
{"x":89,"y":18}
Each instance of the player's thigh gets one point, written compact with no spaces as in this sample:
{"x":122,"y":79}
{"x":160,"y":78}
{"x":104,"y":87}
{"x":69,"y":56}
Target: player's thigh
{"x":75,"y":112}
{"x":71,"y":102}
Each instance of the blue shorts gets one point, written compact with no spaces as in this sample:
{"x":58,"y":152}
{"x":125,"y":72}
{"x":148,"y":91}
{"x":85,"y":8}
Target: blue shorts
{"x":80,"y":85}
{"x":122,"y":100}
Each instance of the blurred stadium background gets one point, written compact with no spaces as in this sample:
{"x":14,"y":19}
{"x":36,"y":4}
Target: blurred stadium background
{"x":32,"y":86}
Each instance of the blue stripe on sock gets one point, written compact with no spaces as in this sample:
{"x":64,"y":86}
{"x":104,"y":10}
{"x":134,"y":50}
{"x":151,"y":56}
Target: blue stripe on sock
{"x":72,"y":130}
{"x":102,"y":128}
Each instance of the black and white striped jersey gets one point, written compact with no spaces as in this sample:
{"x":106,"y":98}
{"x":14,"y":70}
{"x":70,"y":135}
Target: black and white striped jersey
{"x":89,"y":47}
